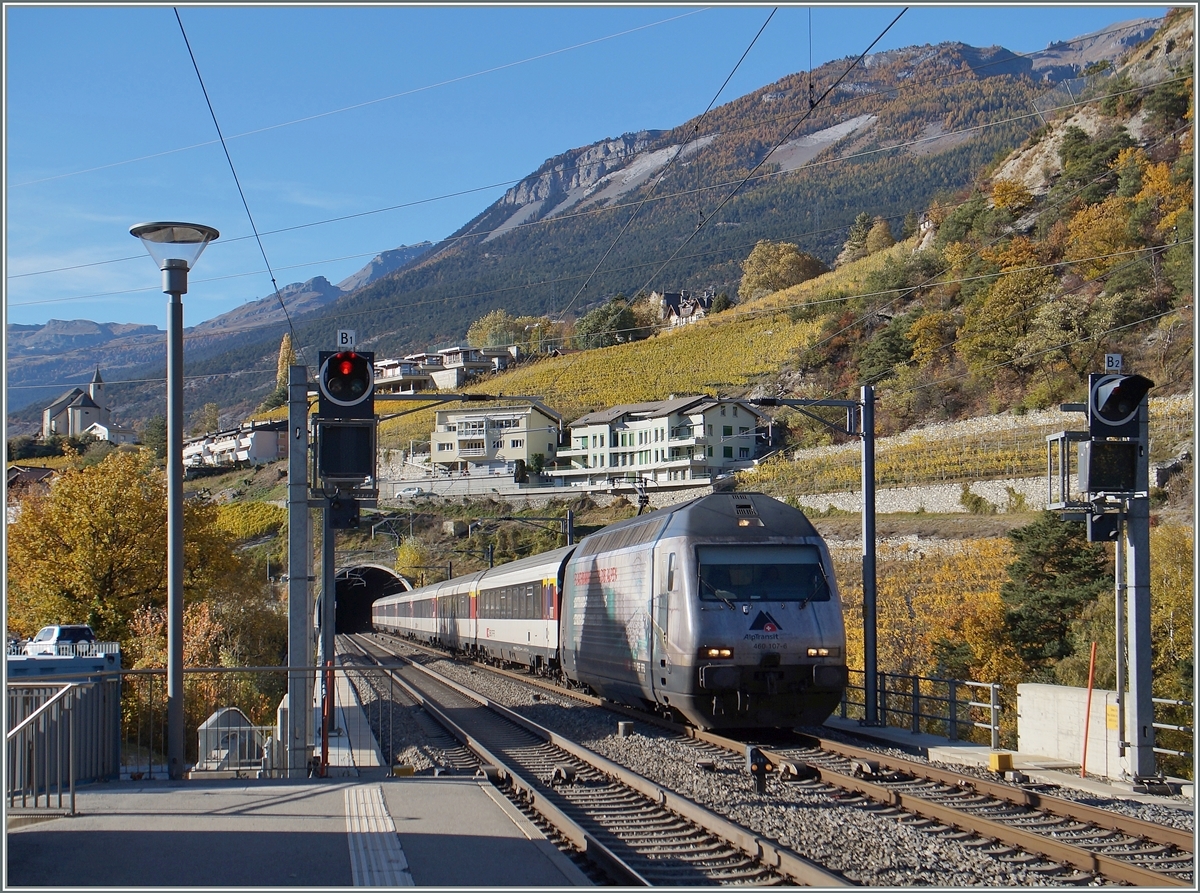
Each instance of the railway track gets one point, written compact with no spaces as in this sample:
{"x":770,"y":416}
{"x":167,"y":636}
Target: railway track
{"x":638,"y":832}
{"x":1057,"y":838}
{"x":1066,"y":835}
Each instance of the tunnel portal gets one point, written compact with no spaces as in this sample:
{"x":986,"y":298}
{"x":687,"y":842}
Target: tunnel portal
{"x":357,"y":588}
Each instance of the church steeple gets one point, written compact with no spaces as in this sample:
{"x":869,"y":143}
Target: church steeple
{"x":95,"y":390}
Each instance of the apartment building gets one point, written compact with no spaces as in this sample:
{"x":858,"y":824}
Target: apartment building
{"x":491,"y":440}
{"x":679,"y":441}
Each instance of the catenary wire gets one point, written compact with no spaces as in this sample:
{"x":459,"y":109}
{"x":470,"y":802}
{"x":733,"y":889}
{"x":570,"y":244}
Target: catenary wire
{"x":725,"y":132}
{"x":667,"y":167}
{"x":299,"y":348}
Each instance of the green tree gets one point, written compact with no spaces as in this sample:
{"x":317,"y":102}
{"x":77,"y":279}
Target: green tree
{"x":614,"y":323}
{"x":855,"y":247}
{"x":154,"y":436}
{"x":1056,"y":575}
{"x":772,"y":266}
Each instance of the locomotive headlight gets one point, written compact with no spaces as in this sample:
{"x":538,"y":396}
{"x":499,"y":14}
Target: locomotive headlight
{"x":824,"y":652}
{"x":716,"y":652}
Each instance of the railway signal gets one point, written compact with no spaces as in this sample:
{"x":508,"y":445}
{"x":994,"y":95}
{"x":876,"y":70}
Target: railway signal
{"x":1116,"y":404}
{"x":758,"y":765}
{"x":346,"y":381}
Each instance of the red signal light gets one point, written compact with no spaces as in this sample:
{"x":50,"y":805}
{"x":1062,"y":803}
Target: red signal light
{"x":346,"y":382}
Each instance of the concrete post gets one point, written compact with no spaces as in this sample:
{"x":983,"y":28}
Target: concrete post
{"x":870,"y":660}
{"x":299,"y":697}
{"x":1137,"y":568}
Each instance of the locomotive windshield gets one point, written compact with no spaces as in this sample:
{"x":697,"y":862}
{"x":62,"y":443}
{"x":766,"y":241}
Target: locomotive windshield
{"x":762,"y":573}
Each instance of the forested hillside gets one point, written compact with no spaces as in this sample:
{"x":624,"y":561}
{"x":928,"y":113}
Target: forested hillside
{"x":889,"y":137}
{"x":1009,"y":295}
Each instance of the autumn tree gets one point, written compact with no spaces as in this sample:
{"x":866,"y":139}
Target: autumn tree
{"x":879,"y":237}
{"x":287,"y":359}
{"x":500,"y":328}
{"x":94,"y":551}
{"x":1011,"y":195}
{"x":772,"y":266}
{"x":412,"y":559}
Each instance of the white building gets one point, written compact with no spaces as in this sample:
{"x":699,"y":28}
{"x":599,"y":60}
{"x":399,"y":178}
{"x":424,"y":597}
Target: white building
{"x":491,"y":440}
{"x":401,"y":377}
{"x":112,"y":433}
{"x":255,"y":443}
{"x":76,"y":410}
{"x":677,"y":441}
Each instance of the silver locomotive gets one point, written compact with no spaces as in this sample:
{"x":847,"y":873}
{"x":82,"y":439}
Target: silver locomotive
{"x":722,"y":611}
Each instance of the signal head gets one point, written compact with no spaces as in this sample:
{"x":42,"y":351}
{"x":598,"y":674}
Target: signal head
{"x":1114,"y":404}
{"x":347,"y":385}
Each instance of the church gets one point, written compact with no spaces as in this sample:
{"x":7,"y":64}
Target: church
{"x":79,"y":412}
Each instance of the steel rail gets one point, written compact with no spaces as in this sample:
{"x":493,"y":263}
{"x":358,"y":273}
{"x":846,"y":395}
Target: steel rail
{"x":1066,"y":853}
{"x":1031,"y":842}
{"x":492,"y":765}
{"x":769,"y":854}
{"x":1103,"y":818}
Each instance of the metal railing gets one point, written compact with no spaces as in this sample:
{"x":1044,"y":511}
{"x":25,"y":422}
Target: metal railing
{"x":923,"y":704}
{"x":36,"y":751}
{"x":62,"y":733}
{"x":1172,"y":760}
{"x":72,"y":649}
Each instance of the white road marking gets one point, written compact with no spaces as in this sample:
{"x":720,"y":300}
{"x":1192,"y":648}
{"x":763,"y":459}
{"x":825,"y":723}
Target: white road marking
{"x":376,"y":857}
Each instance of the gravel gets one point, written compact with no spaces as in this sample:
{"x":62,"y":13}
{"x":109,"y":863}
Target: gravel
{"x":870,"y":844}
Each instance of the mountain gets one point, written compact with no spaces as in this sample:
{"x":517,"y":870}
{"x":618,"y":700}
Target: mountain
{"x":1065,"y":60}
{"x":68,"y":351}
{"x":383,"y":264}
{"x":669,"y":209}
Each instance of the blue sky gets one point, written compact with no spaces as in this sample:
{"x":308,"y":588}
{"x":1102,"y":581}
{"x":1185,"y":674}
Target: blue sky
{"x":337,"y":111}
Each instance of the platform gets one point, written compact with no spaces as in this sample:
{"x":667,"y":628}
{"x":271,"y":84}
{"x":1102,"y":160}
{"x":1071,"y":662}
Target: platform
{"x":353,"y":751}
{"x":338,"y":832}
{"x":358,"y":827}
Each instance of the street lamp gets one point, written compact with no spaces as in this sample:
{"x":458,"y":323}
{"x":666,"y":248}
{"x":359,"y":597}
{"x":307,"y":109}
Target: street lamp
{"x":175,"y":247}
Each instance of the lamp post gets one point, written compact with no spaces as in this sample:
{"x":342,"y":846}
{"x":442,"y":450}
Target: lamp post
{"x":175,"y":247}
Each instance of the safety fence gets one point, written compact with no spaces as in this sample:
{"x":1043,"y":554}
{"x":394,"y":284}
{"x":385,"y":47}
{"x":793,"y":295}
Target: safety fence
{"x":1174,"y":737}
{"x":955,"y":709}
{"x":59,"y":734}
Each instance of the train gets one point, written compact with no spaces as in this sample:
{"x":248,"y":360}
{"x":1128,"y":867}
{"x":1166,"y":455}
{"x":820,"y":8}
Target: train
{"x":722,"y":612}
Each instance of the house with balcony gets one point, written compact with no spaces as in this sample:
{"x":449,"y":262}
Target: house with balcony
{"x":681,"y":308}
{"x":681,"y":441}
{"x":491,"y":440}
{"x":254,"y":443}
{"x":401,"y":377}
